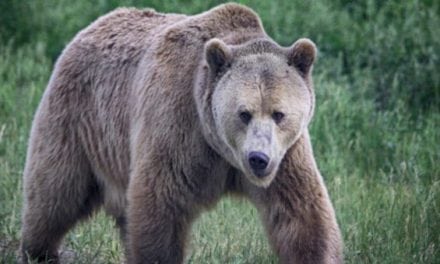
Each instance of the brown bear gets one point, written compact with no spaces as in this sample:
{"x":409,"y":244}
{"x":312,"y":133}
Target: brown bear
{"x":155,"y":116}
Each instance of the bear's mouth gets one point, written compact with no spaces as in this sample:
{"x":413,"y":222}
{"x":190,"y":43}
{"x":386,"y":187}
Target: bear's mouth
{"x":261,"y":174}
{"x":261,"y":178}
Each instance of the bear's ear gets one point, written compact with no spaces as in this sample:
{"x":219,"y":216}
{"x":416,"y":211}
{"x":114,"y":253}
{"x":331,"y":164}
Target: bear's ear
{"x":218,"y":55}
{"x":301,"y":55}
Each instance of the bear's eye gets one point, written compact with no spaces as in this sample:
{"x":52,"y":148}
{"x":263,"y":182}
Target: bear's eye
{"x":245,"y":117}
{"x":277,"y":117}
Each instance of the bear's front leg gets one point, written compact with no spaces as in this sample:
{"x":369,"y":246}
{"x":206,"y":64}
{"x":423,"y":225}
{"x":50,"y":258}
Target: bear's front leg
{"x":297,"y":211}
{"x":157,"y":221}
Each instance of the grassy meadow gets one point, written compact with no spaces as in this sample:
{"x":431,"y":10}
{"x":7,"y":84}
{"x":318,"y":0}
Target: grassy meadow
{"x":376,"y":130}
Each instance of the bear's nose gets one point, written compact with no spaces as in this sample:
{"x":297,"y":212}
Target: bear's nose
{"x":258,"y":162}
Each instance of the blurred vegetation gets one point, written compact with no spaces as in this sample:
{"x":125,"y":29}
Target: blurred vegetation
{"x":375,"y":132}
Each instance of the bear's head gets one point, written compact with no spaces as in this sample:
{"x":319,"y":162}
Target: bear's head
{"x":254,"y":101}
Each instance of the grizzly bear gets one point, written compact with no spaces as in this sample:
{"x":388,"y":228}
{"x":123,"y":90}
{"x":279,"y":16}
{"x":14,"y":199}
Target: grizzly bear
{"x":155,"y":116}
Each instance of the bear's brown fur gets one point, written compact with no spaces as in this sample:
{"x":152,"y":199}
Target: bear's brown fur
{"x":140,"y":117}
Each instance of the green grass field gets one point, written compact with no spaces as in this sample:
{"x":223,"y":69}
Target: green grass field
{"x":376,"y":130}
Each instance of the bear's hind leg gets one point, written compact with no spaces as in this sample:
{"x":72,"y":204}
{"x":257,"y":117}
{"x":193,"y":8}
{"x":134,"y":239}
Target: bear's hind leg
{"x":60,"y":189}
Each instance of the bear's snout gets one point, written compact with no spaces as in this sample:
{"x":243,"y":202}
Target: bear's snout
{"x":258,"y":162}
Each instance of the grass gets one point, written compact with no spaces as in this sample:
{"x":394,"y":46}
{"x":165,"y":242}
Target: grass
{"x":375,"y":132}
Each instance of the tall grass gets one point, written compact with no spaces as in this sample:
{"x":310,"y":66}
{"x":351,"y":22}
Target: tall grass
{"x":375,"y":131}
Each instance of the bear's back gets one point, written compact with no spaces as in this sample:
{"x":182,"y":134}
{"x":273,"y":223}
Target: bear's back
{"x":101,"y":61}
{"x":123,"y":34}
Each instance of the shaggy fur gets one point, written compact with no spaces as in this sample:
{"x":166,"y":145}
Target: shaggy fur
{"x":139,"y":117}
